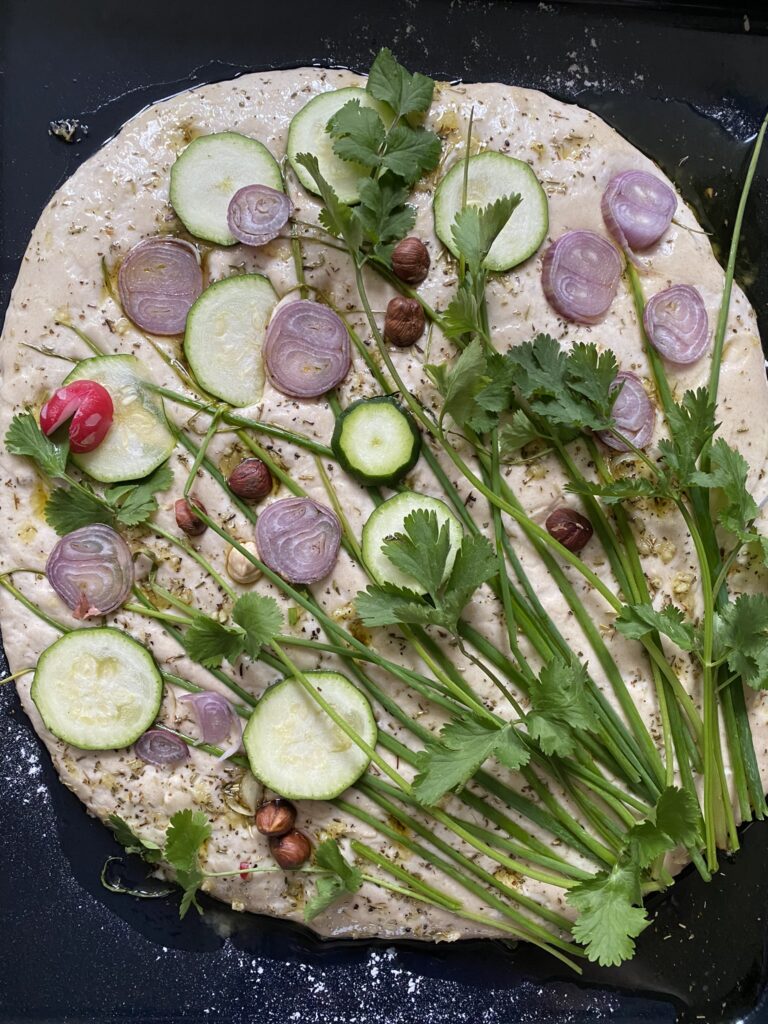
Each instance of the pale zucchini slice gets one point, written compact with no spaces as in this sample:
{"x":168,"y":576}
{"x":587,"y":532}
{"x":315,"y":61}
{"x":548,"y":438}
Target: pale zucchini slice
{"x":388,"y":519}
{"x":225,"y":334}
{"x":491,"y":176}
{"x":139,"y":439}
{"x":307,"y":134}
{"x":295,"y":748}
{"x":209,"y":172}
{"x":97,"y":689}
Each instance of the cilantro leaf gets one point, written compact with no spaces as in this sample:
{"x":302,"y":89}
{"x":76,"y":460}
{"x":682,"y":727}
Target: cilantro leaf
{"x":608,"y":918}
{"x":187,"y":831}
{"x":404,"y":92}
{"x":68,"y":509}
{"x":625,"y":489}
{"x":134,"y":503}
{"x":691,"y":425}
{"x":475,"y":229}
{"x":591,"y":373}
{"x":741,"y":635}
{"x":190,"y":882}
{"x":24,"y":437}
{"x":336,"y":217}
{"x":387,"y":605}
{"x":560,"y":707}
{"x":422,"y":550}
{"x":475,"y":563}
{"x":463,"y":313}
{"x":382,"y":213}
{"x":637,"y":621}
{"x":463,"y":746}
{"x":673,"y":822}
{"x":210,"y":642}
{"x":460,"y":383}
{"x":133,"y":844}
{"x":515,"y":434}
{"x":728,"y":472}
{"x":358,"y":134}
{"x":260,"y":619}
{"x":345,"y":879}
{"x":411,"y":152}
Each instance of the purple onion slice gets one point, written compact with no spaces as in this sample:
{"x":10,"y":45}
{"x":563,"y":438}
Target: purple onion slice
{"x":637,"y":209}
{"x":676,"y":323}
{"x":91,"y":569}
{"x":307,"y":350}
{"x":633,"y":414}
{"x":214,"y":715}
{"x":580,"y":275}
{"x":298,"y":539}
{"x":158,"y":281}
{"x":257,"y":214}
{"x":158,"y":747}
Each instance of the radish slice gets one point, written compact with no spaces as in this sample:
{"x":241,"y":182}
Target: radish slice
{"x":92,"y":411}
{"x":298,"y":539}
{"x":580,"y":275}
{"x":307,"y":350}
{"x":91,"y":569}
{"x":158,"y":281}
{"x":633,"y":414}
{"x":676,"y":323}
{"x":257,"y":214}
{"x":637,"y":209}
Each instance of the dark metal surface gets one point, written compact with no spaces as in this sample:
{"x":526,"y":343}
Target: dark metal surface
{"x":688,"y":89}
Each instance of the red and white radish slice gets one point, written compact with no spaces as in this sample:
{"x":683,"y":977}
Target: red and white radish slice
{"x":90,"y":407}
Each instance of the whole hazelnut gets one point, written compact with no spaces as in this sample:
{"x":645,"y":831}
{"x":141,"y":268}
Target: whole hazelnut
{"x":239,"y":568}
{"x":291,"y":850}
{"x":404,"y":322}
{"x":186,"y":519}
{"x":250,"y":480}
{"x":410,"y":260}
{"x":276,"y":817}
{"x":570,"y":527}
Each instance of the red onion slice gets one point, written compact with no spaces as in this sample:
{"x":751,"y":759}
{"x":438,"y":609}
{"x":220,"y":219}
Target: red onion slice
{"x":298,"y":539}
{"x":637,"y":209}
{"x":91,"y":570}
{"x":257,"y":214}
{"x":214,"y":715}
{"x":158,"y":281}
{"x":580,"y":275}
{"x":161,"y":748}
{"x":633,"y":414}
{"x":307,"y":350}
{"x":676,"y":323}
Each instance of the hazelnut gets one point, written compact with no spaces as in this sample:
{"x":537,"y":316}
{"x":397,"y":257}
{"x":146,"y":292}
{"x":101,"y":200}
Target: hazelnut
{"x":410,"y":260}
{"x":570,"y":527}
{"x":404,"y":322}
{"x":239,"y":568}
{"x":291,"y":850}
{"x":250,"y":480}
{"x":186,"y":519}
{"x":276,"y":817}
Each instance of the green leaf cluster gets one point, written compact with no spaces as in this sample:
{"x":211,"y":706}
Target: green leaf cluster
{"x":422,"y":552}
{"x":255,"y":621}
{"x":344,"y":879}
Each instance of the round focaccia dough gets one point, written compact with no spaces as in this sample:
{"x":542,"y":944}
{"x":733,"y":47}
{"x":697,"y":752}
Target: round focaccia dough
{"x":119,"y":197}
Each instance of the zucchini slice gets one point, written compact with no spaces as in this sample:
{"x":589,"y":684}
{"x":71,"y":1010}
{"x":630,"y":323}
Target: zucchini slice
{"x":209,"y":172}
{"x":307,"y":134}
{"x":295,"y":749}
{"x":376,"y":441}
{"x":388,"y":519}
{"x":97,"y":689}
{"x":491,"y":176}
{"x":225,"y":333}
{"x":139,"y":439}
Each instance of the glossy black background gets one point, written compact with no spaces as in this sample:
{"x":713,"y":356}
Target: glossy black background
{"x":688,"y":87}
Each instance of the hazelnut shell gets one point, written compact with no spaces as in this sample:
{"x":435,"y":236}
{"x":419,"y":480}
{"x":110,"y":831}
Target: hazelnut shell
{"x":186,"y":519}
{"x":250,"y":480}
{"x":410,"y":260}
{"x":404,"y":322}
{"x":275,"y":817}
{"x":290,"y":850}
{"x":570,"y":527}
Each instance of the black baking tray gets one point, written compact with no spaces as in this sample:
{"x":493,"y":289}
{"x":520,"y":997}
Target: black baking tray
{"x":687,"y":84}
